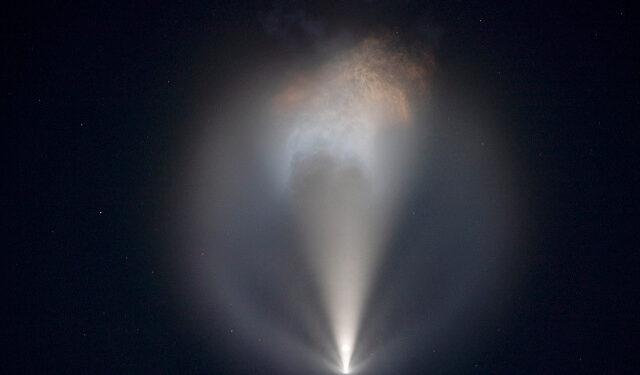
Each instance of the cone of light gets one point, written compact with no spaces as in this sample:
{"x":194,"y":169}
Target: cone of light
{"x":336,"y":158}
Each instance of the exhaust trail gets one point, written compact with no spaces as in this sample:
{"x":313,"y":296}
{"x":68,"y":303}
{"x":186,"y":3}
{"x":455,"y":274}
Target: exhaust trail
{"x":342,"y":195}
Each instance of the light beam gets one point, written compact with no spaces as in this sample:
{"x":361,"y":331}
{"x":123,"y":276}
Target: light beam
{"x":338,"y":177}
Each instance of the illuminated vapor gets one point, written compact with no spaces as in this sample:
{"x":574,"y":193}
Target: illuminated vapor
{"x":292,"y":222}
{"x":335,"y":123}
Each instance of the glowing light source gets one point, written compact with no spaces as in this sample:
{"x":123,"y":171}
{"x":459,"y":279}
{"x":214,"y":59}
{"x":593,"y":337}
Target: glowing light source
{"x":345,"y":354}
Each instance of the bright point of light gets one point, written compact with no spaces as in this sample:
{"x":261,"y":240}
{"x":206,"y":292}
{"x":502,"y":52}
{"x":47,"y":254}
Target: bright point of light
{"x":345,"y":351}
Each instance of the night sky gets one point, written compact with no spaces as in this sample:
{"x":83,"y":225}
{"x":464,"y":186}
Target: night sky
{"x":103,"y":102}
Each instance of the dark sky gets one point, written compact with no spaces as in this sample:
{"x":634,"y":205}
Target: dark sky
{"x":98,"y":102}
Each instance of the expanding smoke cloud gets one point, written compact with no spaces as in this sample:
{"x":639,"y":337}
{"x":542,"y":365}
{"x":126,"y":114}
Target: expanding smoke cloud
{"x":295,"y":213}
{"x":339,"y":122}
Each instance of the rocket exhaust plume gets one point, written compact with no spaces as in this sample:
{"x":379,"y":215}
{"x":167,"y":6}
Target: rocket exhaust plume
{"x":299,"y":190}
{"x":344,"y":124}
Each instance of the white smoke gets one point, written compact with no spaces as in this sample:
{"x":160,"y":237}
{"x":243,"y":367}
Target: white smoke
{"x":290,"y":236}
{"x":336,"y":121}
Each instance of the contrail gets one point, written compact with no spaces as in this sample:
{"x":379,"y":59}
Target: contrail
{"x":339,"y":188}
{"x":324,"y":202}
